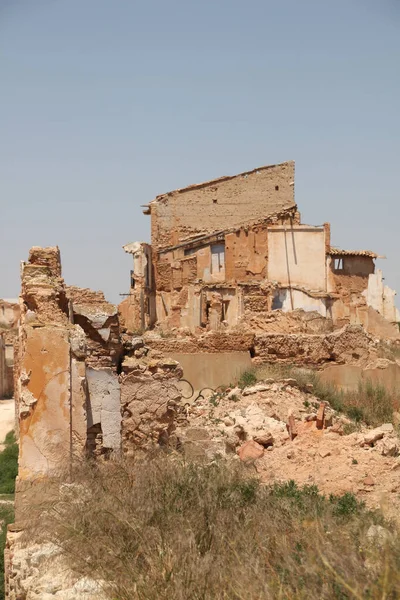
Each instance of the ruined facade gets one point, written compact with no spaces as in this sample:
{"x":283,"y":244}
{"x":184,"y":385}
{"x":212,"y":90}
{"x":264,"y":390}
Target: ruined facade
{"x":74,"y":371}
{"x":232,"y":251}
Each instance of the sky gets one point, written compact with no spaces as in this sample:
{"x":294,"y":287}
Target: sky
{"x":106,"y":103}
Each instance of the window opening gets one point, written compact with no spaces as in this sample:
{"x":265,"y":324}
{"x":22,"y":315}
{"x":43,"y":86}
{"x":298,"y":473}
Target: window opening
{"x":338,"y":264}
{"x":208,"y":306}
{"x":224,"y":311}
{"x":190,"y":251}
{"x":217,"y":258}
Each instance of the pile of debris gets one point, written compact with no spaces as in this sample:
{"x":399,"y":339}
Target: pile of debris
{"x":287,"y":433}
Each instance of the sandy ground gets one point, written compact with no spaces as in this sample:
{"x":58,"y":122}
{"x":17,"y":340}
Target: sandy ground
{"x":7,"y":418}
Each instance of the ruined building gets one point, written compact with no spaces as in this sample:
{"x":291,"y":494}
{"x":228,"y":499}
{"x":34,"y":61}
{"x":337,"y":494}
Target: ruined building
{"x":9,"y":319}
{"x":76,"y":377}
{"x":233,"y":250}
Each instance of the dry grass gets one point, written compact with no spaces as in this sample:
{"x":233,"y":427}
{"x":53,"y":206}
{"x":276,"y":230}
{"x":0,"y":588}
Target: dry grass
{"x":372,"y":403}
{"x":168,"y":530}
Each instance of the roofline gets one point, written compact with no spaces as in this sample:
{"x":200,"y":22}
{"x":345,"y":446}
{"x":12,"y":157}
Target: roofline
{"x":222,"y":232}
{"x":366,"y":253}
{"x":196,"y":186}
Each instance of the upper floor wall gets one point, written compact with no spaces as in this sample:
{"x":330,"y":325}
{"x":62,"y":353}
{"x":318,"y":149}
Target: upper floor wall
{"x":221,"y":204}
{"x":297,"y":256}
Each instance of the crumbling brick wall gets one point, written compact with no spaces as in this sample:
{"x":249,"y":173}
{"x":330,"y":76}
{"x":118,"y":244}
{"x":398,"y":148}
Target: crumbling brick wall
{"x":220,"y":204}
{"x":149,"y":397}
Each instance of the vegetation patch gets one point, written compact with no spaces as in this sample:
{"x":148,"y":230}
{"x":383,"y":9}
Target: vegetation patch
{"x":372,"y":403}
{"x":247,"y":378}
{"x":8,"y":464}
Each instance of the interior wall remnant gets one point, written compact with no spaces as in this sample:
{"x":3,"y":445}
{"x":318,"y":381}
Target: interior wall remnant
{"x":9,"y":322}
{"x":104,"y":409}
{"x":286,"y":299}
{"x":382,"y":297}
{"x":139,"y":308}
{"x":49,"y":372}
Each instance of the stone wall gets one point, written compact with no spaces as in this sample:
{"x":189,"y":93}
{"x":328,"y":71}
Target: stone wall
{"x":350,"y":345}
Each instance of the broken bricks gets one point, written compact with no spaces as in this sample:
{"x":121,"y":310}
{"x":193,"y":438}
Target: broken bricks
{"x":291,"y":426}
{"x":321,"y":415}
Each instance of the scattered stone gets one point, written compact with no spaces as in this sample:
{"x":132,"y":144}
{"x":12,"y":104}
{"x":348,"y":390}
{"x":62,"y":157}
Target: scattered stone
{"x":291,"y":427}
{"x":386,"y":428}
{"x":324,"y":452}
{"x":328,"y":418}
{"x":390,"y":447}
{"x":240,"y":432}
{"x":289,"y":383}
{"x":254,"y":389}
{"x":250,"y":451}
{"x":264,"y":438}
{"x":321,"y":415}
{"x":372,"y":436}
{"x":337,"y":428}
{"x":368,"y":481}
{"x":231,"y":443}
{"x":310,"y":417}
{"x":136,"y":343}
{"x":234,"y":394}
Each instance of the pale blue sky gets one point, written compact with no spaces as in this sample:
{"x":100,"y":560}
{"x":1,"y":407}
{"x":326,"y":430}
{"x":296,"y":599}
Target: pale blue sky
{"x":106,"y":103}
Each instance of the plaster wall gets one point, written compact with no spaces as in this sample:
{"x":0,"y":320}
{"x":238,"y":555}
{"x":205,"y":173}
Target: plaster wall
{"x":296,"y":256}
{"x":44,"y":402}
{"x":374,"y":292}
{"x":348,"y":377}
{"x":104,"y":405}
{"x":212,"y":370}
{"x":288,"y":300}
{"x":381,"y":297}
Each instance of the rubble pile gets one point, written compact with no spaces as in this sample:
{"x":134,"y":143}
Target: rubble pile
{"x":285,"y":433}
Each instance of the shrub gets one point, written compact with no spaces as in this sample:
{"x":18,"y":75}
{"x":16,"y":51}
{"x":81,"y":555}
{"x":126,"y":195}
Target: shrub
{"x":8,"y":464}
{"x":168,"y":529}
{"x":247,"y":378}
